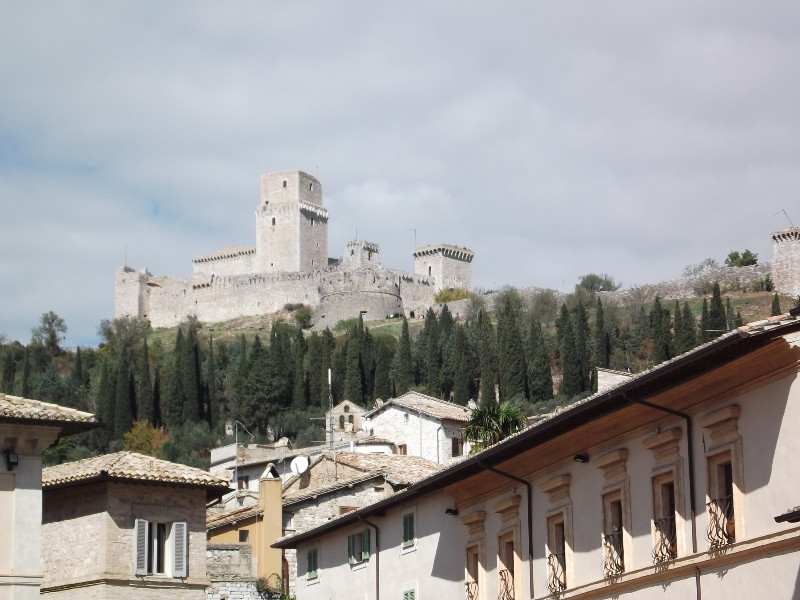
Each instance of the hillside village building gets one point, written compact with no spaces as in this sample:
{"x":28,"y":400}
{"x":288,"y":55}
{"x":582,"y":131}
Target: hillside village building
{"x":677,"y":483}
{"x":126,"y":525}
{"x":27,"y":428}
{"x":290,"y":265}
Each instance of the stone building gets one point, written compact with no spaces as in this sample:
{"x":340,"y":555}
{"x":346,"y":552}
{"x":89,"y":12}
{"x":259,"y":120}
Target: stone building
{"x":290,"y":265}
{"x":27,"y":428}
{"x":125,"y":525}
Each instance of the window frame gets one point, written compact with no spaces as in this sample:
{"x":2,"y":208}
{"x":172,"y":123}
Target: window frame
{"x":356,"y":544}
{"x":409,"y":531}
{"x":312,"y":565}
{"x":172,"y":551}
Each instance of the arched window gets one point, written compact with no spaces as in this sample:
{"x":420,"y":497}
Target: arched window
{"x":350,"y":419}
{"x":346,"y":408}
{"x":341,"y":421}
{"x":310,"y":186}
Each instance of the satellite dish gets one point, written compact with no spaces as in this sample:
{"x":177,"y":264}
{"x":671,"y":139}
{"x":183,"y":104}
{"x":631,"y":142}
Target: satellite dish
{"x":299,"y":465}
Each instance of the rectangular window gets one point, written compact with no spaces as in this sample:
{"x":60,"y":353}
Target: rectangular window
{"x":408,"y":530}
{"x":161,"y":548}
{"x":410,"y":595}
{"x":312,"y":564}
{"x":358,"y":547}
{"x":244,"y":482}
{"x":244,"y":536}
{"x":613,"y":549}
{"x":457,"y":448}
{"x":556,"y":554}
{"x":506,"y":565}
{"x":473,"y":572}
{"x":665,"y":546}
{"x":721,"y":514}
{"x":402,"y":449}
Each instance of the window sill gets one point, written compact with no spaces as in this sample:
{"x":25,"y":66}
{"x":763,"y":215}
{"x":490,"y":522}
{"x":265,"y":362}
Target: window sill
{"x":362,"y":564}
{"x":312,"y":580}
{"x":408,"y":549}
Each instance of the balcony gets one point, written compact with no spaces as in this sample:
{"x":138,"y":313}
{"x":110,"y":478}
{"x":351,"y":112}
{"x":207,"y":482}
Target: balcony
{"x":506,"y":585}
{"x":613,"y":563}
{"x":721,"y":529}
{"x":666,"y":548}
{"x":556,"y":573}
{"x":472,"y":590}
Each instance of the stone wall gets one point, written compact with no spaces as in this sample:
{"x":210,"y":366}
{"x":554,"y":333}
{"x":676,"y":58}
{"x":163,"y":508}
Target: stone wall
{"x":786,"y":261}
{"x":422,"y":435}
{"x":229,"y":561}
{"x":87,"y":540}
{"x":232,"y":590}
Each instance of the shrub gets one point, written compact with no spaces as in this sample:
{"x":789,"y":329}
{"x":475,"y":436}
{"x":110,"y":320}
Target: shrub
{"x":451,"y":294}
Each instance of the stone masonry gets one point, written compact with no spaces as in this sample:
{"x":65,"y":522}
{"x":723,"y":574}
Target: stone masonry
{"x":290,"y":265}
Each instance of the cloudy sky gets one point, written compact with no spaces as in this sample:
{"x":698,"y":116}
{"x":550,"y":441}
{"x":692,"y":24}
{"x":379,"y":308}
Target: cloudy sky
{"x":552,"y":138}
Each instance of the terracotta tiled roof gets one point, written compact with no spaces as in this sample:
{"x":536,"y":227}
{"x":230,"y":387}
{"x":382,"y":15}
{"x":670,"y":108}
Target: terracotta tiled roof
{"x":220,"y":519}
{"x":427,"y":405}
{"x":15,"y":407}
{"x":399,"y":471}
{"x":129,"y":466}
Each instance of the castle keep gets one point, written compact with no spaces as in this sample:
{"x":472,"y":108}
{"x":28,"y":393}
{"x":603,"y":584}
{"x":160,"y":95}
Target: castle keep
{"x":290,"y":265}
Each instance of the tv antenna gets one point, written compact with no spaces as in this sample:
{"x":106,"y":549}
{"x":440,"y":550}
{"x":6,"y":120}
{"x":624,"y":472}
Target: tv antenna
{"x":783,"y":210}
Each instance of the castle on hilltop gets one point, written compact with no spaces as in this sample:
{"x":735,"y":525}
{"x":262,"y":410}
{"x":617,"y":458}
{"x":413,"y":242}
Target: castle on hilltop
{"x":290,"y":265}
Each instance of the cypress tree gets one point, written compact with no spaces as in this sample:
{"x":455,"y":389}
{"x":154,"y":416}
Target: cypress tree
{"x":602,"y":347}
{"x":686,"y":338}
{"x":9,"y":371}
{"x":190,"y":378}
{"x":580,"y":324}
{"x":383,"y":366}
{"x":143,"y":385}
{"x":540,"y":377}
{"x":25,"y":387}
{"x":105,"y":402}
{"x":739,"y":322}
{"x":730,"y":317}
{"x":124,"y":400}
{"x":716,"y":313}
{"x":660,"y":324}
{"x":461,"y":377}
{"x":571,"y":383}
{"x":299,"y":387}
{"x":510,"y":350}
{"x":216,"y":410}
{"x":353,"y":383}
{"x":431,"y":361}
{"x":488,"y":362}
{"x":328,"y":346}
{"x":705,"y":324}
{"x":402,"y":374}
{"x":776,"y":306}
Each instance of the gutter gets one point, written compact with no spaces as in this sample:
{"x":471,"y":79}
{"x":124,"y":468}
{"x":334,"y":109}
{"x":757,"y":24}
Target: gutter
{"x":377,"y":557}
{"x":529,"y":529}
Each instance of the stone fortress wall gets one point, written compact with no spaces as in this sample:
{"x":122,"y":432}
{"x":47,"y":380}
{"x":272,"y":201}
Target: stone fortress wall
{"x":289,"y":265}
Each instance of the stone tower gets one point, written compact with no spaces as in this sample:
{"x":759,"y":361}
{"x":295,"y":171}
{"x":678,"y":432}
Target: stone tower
{"x":361,"y":254}
{"x":448,"y":265}
{"x":786,"y":261}
{"x":291,"y":224}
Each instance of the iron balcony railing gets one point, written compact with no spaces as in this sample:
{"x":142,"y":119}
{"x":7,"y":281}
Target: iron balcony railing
{"x":613,"y":563}
{"x":472,"y":590}
{"x":557,"y":574}
{"x":666,"y":547}
{"x":720,"y":529}
{"x":506,"y":585}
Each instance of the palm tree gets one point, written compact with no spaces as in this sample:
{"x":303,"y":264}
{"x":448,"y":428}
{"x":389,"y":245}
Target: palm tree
{"x":491,"y":423}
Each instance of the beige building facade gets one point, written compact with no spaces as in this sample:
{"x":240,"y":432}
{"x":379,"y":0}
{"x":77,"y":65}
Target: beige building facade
{"x":27,"y":428}
{"x":679,"y":483}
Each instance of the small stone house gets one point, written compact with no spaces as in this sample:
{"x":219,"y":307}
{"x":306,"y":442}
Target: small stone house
{"x":27,"y":428}
{"x":420,"y":425}
{"x":126,"y":525}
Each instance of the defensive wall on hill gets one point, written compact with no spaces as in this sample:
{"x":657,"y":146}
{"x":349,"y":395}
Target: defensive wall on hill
{"x":289,"y":265}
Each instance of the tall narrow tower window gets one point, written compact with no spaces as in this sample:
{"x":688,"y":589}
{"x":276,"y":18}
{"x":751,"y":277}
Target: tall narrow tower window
{"x":310,"y":187}
{"x":273,"y":221}
{"x":284,"y":183}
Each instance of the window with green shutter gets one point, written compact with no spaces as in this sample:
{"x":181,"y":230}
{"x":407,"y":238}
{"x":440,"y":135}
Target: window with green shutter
{"x":408,"y":530}
{"x":358,"y":547}
{"x":410,"y":595}
{"x":312,"y":564}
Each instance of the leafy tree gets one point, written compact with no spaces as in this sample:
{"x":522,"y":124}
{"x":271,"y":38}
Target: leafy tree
{"x":593,"y":283}
{"x":451,"y":294}
{"x":144,"y":438}
{"x":776,"y":306}
{"x":708,"y":263}
{"x":50,"y":332}
{"x":492,"y":423}
{"x":744,"y":259}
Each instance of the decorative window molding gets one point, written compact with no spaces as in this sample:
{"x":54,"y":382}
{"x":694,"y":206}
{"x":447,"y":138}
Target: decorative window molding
{"x":725,"y":477}
{"x":473,"y":575}
{"x":613,"y":466}
{"x":616,"y":536}
{"x":508,"y":508}
{"x":508,"y":544}
{"x":668,"y":495}
{"x":475,"y":523}
{"x":559,"y":533}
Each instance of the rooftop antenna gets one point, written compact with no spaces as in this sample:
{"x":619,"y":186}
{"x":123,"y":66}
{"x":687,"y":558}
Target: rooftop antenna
{"x":783,"y":210}
{"x":414,"y":229}
{"x":236,"y":425}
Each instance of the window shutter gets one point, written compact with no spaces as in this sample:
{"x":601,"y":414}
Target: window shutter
{"x":141,"y":549}
{"x":365,"y":544}
{"x":351,"y":542}
{"x":180,"y":541}
{"x":408,"y":529}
